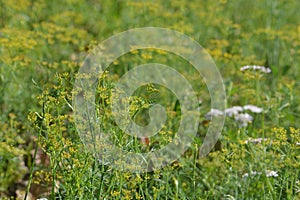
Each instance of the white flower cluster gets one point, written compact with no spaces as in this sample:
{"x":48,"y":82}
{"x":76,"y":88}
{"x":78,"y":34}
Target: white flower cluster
{"x":256,"y":140}
{"x":253,"y":109}
{"x":236,"y":111}
{"x":268,"y":173}
{"x":263,"y":69}
{"x":244,"y":119}
{"x":233,"y":111}
{"x":213,"y":113}
{"x":252,"y":173}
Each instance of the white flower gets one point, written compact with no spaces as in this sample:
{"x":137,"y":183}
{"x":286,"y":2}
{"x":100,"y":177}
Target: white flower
{"x":270,"y":173}
{"x":252,"y":173}
{"x":253,"y":108}
{"x":255,"y":140}
{"x":245,"y":175}
{"x":244,"y":119}
{"x":255,"y":173}
{"x":233,"y":111}
{"x":255,"y":67}
{"x":298,"y":143}
{"x":213,"y":113}
{"x":237,"y":113}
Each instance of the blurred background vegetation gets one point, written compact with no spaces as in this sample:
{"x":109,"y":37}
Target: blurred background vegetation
{"x":42,"y":44}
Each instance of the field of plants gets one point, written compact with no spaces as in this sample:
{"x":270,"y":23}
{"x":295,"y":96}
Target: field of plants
{"x":255,"y":46}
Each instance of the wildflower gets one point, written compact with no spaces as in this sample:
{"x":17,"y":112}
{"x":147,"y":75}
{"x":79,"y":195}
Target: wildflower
{"x":253,"y":108}
{"x":255,"y":173}
{"x":245,"y":175}
{"x":213,"y":113}
{"x":237,"y":113}
{"x":298,"y":143}
{"x":263,"y":69}
{"x":252,"y":173}
{"x":233,"y":111}
{"x":270,"y":173}
{"x":255,"y":140}
{"x":244,"y":119}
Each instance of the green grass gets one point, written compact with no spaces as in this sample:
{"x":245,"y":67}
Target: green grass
{"x":42,"y":45}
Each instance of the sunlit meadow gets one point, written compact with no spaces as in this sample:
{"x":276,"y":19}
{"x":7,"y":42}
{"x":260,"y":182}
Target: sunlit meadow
{"x":256,"y":46}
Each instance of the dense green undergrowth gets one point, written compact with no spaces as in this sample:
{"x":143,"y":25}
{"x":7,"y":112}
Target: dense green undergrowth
{"x":42,"y":45}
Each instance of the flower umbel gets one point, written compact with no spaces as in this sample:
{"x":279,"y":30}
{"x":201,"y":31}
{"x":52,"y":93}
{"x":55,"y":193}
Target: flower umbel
{"x":263,"y":69}
{"x":233,"y":111}
{"x":253,"y":108}
{"x":244,"y":119}
{"x":270,"y":173}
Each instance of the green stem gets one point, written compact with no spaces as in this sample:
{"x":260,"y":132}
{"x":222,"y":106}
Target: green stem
{"x":31,"y":171}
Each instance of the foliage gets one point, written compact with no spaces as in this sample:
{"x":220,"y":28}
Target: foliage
{"x":42,"y":44}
